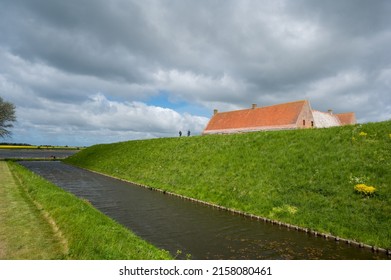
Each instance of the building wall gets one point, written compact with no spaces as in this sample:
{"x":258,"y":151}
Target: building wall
{"x":250,"y":129}
{"x":305,"y":118}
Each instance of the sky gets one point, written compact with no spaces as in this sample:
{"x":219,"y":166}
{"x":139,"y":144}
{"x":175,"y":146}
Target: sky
{"x":82,"y":72}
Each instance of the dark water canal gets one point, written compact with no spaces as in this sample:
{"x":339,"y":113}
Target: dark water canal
{"x":35,"y":153}
{"x":204,"y":232}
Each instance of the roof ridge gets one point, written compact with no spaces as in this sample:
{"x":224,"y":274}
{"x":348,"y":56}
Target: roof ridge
{"x":256,"y":108}
{"x":297,"y":101}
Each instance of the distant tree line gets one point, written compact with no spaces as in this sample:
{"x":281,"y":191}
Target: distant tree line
{"x":15,"y":144}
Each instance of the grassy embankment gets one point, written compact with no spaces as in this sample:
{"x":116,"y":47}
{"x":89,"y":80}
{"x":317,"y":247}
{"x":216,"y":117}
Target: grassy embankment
{"x":41,"y":221}
{"x":302,"y":177}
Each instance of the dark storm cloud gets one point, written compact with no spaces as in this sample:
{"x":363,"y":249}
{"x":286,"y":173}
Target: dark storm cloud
{"x":353,"y":17}
{"x":225,"y":54}
{"x":80,"y":37}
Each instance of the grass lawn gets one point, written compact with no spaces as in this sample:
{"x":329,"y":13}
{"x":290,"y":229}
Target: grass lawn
{"x":24,"y":232}
{"x":44,"y":222}
{"x":303,"y":177}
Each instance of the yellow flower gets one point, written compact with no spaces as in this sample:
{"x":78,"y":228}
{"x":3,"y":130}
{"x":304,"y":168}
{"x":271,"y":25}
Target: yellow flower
{"x":389,"y":135}
{"x":362,"y":133}
{"x":364,"y":189}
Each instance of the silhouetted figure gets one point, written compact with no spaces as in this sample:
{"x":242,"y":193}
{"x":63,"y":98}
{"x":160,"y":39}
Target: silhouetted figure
{"x":180,"y":133}
{"x":188,"y":133}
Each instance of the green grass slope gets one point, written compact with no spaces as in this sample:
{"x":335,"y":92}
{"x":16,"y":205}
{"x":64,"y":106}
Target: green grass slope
{"x":302,"y":177}
{"x":86,"y":233}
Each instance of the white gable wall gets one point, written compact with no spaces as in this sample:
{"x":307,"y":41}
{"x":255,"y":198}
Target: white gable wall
{"x":322,"y":119}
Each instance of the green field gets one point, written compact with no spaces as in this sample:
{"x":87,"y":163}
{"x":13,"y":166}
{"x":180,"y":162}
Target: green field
{"x":41,"y":221}
{"x":302,"y":177}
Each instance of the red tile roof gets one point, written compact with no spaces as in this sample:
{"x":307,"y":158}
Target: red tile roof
{"x":347,"y":118}
{"x":270,"y":117}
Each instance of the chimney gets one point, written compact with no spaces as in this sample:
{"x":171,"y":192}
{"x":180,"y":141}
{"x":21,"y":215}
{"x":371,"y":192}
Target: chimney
{"x":253,"y":106}
{"x":330,"y":111}
{"x":215,"y":111}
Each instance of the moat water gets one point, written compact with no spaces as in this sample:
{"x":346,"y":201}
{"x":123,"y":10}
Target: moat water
{"x":203,"y":232}
{"x":35,"y":153}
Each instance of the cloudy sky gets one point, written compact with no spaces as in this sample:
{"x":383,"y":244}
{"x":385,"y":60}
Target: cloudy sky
{"x":82,"y":72}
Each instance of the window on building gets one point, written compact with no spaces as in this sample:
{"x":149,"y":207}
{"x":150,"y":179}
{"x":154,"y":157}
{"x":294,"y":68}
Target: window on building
{"x":312,"y":123}
{"x":303,"y":122}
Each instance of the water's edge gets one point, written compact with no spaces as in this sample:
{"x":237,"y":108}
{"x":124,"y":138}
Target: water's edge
{"x":255,"y":217}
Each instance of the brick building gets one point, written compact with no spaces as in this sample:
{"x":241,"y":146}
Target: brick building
{"x":292,"y":115}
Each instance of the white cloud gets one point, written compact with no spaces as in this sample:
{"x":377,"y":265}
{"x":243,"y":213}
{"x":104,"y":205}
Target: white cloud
{"x":56,"y":57}
{"x":121,"y":121}
{"x":341,"y":83}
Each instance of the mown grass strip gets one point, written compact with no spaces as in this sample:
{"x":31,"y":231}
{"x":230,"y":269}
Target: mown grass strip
{"x":89,"y":233}
{"x":24,"y":232}
{"x":301,"y":177}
